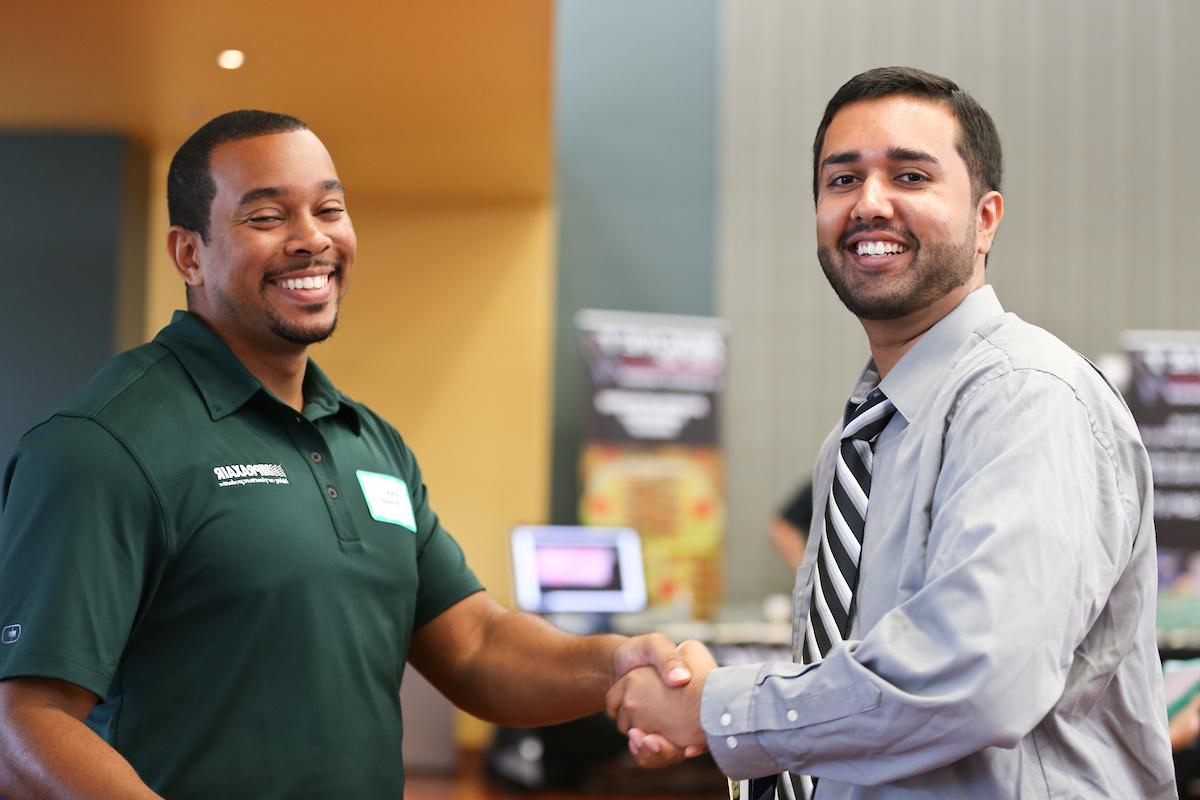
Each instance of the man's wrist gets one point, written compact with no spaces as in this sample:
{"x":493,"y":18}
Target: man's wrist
{"x":611,"y":645}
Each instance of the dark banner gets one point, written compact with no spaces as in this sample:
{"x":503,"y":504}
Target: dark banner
{"x":654,"y":377}
{"x":650,"y":459}
{"x":1164,"y":394}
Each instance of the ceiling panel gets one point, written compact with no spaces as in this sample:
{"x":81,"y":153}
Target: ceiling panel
{"x":442,"y":101}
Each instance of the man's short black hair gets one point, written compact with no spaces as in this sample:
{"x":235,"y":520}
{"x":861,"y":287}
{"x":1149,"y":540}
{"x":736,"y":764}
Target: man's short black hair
{"x":190,"y":187}
{"x":978,"y":144}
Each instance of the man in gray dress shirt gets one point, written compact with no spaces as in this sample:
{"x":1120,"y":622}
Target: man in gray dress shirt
{"x":1000,"y":639}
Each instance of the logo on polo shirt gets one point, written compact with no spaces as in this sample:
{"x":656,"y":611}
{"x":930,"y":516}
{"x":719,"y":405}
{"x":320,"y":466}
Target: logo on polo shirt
{"x":242,"y":474}
{"x":9,"y":636}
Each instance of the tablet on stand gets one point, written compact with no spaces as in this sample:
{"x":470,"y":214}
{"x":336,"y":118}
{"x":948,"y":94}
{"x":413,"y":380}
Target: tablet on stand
{"x":578,"y":576}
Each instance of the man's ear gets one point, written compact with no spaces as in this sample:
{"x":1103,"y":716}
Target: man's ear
{"x":988,"y":214}
{"x":183,"y":246}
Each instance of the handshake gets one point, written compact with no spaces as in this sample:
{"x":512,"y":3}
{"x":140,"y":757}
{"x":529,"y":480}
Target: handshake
{"x":655,"y":701}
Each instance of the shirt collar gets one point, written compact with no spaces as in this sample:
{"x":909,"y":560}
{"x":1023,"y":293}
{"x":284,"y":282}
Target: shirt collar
{"x":224,"y":382}
{"x":917,"y":370}
{"x":321,"y":398}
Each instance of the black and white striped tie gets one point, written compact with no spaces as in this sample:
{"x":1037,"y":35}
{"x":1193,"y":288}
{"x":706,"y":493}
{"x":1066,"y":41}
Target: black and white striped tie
{"x":832,"y":605}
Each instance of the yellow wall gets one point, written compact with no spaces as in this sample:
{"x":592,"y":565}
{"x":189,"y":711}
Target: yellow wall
{"x":447,"y":333}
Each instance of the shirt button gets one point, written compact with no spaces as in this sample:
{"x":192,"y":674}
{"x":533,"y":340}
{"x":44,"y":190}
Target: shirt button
{"x":726,"y":718}
{"x":332,"y":492}
{"x":792,"y":715}
{"x":731,"y":742}
{"x":315,"y":456}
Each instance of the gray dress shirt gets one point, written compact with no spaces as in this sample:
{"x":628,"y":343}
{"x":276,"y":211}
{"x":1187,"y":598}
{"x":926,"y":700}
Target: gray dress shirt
{"x":1003,"y":644}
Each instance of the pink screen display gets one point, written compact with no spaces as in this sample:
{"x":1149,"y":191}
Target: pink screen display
{"x":577,"y":567}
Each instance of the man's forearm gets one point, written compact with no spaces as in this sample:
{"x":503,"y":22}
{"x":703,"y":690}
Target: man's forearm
{"x":47,"y":753}
{"x":516,"y":669}
{"x":531,"y":673}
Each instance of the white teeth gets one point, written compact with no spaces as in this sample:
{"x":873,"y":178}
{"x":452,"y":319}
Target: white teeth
{"x":879,"y":248}
{"x":309,"y":282}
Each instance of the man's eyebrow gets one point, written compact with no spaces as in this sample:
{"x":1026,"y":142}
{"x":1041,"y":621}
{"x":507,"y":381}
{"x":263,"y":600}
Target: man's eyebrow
{"x":893,"y":154}
{"x":279,"y":191}
{"x":846,"y":157}
{"x":907,"y":154}
{"x":260,"y":193}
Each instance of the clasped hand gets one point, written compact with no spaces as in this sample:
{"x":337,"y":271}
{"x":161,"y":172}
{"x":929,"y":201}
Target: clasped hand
{"x":660,"y":710}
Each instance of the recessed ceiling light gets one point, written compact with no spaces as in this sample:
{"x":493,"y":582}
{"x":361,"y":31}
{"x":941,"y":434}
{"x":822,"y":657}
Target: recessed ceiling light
{"x":231,"y":59}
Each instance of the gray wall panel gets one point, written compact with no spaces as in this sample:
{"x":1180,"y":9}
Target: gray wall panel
{"x":634,"y":117}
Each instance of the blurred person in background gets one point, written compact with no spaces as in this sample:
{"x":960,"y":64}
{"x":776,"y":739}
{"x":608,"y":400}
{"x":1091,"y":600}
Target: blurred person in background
{"x":789,"y":528}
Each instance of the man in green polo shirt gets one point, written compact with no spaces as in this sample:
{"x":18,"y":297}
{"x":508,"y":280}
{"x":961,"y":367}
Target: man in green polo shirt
{"x":214,"y":565}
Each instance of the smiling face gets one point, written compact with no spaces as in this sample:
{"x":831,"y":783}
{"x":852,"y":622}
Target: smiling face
{"x":280,"y":248}
{"x":899,"y":232}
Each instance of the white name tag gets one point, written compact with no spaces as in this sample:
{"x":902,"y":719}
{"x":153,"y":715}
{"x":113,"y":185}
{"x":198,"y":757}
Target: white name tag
{"x":387,"y":499}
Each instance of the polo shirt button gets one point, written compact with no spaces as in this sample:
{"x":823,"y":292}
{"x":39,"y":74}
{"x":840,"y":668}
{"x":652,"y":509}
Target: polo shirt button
{"x":315,"y":456}
{"x":792,"y":715}
{"x":332,"y":492}
{"x":726,"y":718}
{"x":731,"y":742}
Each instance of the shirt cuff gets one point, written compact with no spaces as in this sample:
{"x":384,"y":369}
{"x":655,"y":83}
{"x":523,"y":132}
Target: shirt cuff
{"x":725,"y":716}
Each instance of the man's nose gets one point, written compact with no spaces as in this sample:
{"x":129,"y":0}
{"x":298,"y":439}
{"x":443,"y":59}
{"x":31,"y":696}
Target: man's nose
{"x":874,"y":199}
{"x":308,"y":239}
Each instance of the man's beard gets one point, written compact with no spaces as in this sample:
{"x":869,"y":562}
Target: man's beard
{"x":933,"y":272}
{"x":300,"y":333}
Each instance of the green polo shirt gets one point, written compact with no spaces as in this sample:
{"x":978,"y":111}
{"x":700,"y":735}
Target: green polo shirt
{"x":236,"y":581}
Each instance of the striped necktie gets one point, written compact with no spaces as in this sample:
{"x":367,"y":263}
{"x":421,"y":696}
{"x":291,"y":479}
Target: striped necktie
{"x":832,"y":605}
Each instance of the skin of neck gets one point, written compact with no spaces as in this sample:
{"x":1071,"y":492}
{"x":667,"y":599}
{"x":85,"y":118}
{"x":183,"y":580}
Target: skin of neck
{"x":281,"y":372}
{"x":890,"y":339}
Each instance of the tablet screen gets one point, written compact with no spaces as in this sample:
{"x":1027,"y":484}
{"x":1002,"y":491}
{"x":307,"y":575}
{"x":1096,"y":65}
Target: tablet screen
{"x":571,"y":568}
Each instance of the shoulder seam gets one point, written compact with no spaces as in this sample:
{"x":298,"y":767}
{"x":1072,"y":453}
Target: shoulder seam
{"x":1097,"y":434}
{"x":116,"y":391}
{"x":992,"y":375}
{"x":154,"y":489}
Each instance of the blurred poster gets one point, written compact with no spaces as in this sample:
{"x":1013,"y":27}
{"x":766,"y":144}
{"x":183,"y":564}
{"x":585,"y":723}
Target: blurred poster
{"x":1164,"y":395}
{"x":650,"y":459}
